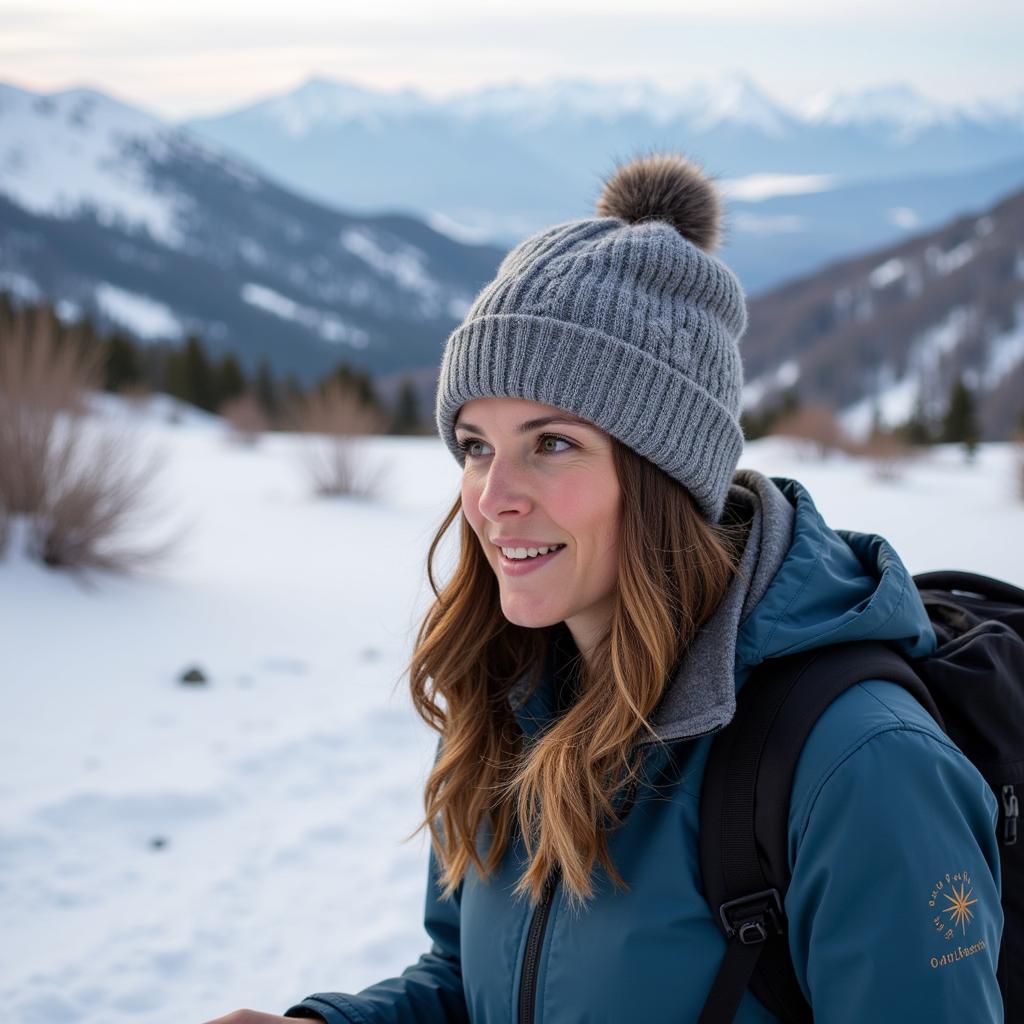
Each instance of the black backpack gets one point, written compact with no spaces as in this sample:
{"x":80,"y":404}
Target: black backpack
{"x":973,"y":685}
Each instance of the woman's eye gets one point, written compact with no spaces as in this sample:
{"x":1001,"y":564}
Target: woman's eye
{"x":466,"y":445}
{"x":551,"y":437}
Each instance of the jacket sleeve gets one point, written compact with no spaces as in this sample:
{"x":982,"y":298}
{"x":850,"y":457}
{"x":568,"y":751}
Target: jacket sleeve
{"x":427,"y":992}
{"x":894,"y":903}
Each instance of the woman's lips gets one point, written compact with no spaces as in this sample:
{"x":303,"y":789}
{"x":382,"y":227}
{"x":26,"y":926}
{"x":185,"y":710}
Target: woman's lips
{"x":521,"y":566}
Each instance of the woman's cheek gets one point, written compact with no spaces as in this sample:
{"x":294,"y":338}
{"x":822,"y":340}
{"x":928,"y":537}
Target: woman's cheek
{"x":470,"y":503}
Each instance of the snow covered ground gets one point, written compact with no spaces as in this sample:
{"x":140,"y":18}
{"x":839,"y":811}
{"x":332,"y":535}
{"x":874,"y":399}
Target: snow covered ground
{"x":170,"y":852}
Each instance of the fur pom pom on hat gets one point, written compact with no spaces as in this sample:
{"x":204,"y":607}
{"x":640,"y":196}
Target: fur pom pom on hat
{"x":625,"y":319}
{"x":665,"y":187}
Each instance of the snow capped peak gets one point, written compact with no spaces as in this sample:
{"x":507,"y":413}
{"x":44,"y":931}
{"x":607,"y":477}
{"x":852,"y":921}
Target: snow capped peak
{"x":80,"y":108}
{"x":108,"y":144}
{"x":321,"y":101}
{"x":564,"y":96}
{"x":895,"y":104}
{"x":734,"y":98}
{"x":731,"y":98}
{"x":324,"y":102}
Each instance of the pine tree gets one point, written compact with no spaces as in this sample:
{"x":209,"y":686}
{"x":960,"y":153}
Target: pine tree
{"x":230,"y":380}
{"x":960,"y":422}
{"x":198,"y":382}
{"x":173,"y":374}
{"x":266,"y":390}
{"x":123,"y":366}
{"x":917,"y":429}
{"x":406,"y":417}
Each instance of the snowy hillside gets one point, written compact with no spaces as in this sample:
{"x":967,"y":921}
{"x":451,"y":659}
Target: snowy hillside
{"x":172,"y":851}
{"x":119,"y":216}
{"x":81,"y":148}
{"x":896,"y":326}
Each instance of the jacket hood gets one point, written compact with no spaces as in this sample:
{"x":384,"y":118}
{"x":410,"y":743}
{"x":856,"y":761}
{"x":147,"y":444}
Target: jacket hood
{"x":800,"y":584}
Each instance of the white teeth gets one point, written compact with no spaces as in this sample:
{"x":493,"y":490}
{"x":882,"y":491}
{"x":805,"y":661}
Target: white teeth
{"x":521,"y":553}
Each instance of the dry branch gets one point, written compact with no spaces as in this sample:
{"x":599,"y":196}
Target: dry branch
{"x":335,"y":417}
{"x":80,"y":491}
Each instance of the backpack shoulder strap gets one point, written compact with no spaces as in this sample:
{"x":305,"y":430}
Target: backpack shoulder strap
{"x":744,"y":814}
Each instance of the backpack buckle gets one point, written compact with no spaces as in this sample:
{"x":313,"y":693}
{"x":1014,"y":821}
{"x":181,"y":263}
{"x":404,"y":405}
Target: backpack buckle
{"x":753,"y":918}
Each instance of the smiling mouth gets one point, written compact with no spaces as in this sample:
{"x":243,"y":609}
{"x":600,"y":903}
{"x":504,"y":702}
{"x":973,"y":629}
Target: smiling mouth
{"x":517,"y":566}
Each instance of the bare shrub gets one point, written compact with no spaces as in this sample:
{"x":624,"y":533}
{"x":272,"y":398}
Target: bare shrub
{"x":336,"y":416}
{"x":40,"y":378}
{"x":245,"y":418}
{"x":889,"y":454}
{"x":79,"y":491}
{"x":103,"y":492}
{"x":816,"y":424}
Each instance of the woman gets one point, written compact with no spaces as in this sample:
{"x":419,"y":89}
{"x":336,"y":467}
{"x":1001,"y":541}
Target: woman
{"x":592,"y":395}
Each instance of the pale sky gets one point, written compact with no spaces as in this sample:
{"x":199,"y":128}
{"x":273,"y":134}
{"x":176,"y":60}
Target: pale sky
{"x":204,"y":57}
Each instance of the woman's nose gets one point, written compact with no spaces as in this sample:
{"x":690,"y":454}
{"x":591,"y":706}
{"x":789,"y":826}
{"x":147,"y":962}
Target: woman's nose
{"x":505,"y":487}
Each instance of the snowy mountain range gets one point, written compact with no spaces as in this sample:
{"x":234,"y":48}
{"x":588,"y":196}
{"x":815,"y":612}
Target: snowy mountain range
{"x":500,"y":162}
{"x":729,"y":99}
{"x":116,"y":214}
{"x":121,"y":216}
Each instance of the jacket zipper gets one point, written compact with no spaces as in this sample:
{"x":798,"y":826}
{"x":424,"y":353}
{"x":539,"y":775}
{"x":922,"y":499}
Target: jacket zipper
{"x":534,"y":942}
{"x":541,"y":913}
{"x":538,"y":927}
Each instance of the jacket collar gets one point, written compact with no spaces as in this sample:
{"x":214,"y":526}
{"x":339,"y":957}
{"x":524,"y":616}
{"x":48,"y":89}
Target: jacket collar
{"x":702,"y":695}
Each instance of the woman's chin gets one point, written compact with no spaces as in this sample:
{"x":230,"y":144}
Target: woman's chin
{"x":535,"y":614}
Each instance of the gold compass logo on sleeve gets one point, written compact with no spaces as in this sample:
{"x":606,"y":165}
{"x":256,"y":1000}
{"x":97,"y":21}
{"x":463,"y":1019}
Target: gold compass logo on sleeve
{"x":952,"y":903}
{"x":951,"y":900}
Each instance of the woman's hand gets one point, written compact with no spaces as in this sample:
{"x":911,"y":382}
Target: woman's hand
{"x":253,"y":1017}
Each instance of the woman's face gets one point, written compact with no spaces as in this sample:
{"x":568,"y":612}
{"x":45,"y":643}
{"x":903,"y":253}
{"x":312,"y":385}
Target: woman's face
{"x":551,"y":483}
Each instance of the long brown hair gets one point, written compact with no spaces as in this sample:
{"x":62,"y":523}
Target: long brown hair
{"x":559,"y":790}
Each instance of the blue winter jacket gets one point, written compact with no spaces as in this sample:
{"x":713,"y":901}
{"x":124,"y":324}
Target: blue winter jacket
{"x":887,"y":818}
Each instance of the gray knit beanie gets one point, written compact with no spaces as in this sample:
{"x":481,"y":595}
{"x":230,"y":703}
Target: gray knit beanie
{"x":625,"y":319}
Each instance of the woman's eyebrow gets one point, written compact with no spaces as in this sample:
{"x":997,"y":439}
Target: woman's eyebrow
{"x":525,"y":428}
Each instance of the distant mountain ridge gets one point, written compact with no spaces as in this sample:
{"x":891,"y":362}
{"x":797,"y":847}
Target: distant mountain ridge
{"x":502,"y":161}
{"x":731,"y":97}
{"x":730,"y":122}
{"x":120,"y":216}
